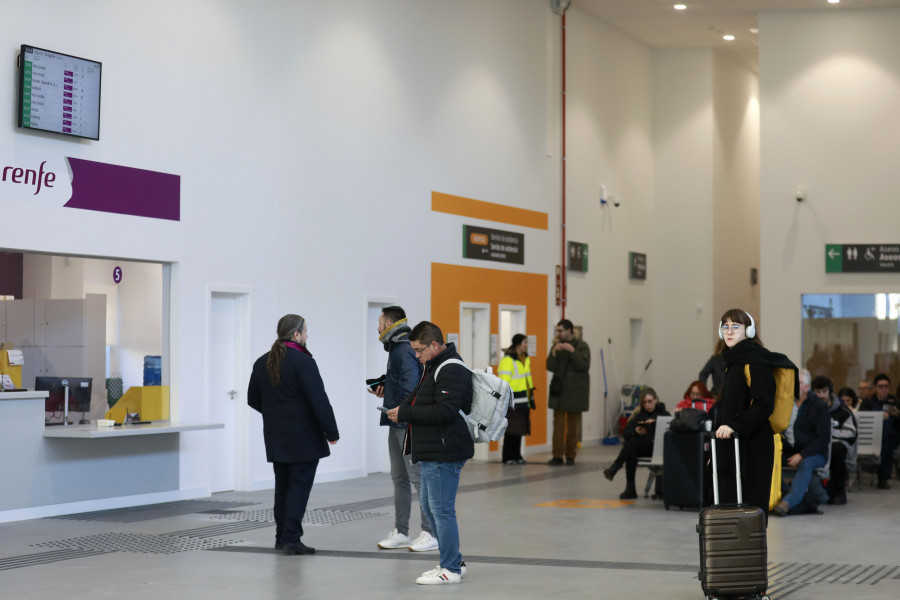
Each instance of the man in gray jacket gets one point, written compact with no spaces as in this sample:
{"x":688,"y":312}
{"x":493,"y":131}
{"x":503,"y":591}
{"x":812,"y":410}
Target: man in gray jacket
{"x":569,"y":361}
{"x":400,"y":379}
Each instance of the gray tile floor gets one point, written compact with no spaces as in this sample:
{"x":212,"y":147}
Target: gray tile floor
{"x":523,"y":536}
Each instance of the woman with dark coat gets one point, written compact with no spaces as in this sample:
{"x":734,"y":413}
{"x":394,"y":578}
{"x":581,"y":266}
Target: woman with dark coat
{"x":639,"y":433}
{"x":745,"y":410}
{"x":298,"y":425}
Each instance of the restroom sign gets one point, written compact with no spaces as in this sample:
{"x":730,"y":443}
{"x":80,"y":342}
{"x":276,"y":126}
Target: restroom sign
{"x":862,"y":258}
{"x":481,"y":243}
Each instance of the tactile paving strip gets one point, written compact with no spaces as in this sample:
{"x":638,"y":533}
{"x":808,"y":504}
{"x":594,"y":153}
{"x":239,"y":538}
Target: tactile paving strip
{"x":317,"y":516}
{"x":138,"y":542}
{"x":135,"y":514}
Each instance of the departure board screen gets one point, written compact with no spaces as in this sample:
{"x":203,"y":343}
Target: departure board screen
{"x":59,"y":93}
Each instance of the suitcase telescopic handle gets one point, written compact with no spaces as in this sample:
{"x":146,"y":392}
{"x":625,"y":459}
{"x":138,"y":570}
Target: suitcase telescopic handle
{"x":737,"y":468}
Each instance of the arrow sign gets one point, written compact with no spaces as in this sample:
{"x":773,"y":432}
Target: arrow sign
{"x":862,"y":258}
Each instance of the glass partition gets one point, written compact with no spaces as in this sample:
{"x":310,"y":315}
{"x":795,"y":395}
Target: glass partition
{"x":851,"y":337}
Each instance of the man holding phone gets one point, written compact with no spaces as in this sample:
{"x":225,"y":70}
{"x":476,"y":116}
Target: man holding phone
{"x":400,"y":379}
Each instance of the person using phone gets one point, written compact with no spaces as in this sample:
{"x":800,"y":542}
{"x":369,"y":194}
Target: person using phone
{"x":399,"y":380}
{"x":639,"y":433}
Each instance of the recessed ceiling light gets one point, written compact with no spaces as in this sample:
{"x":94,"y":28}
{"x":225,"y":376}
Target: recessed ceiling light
{"x":728,"y":37}
{"x":680,"y":7}
{"x":754,"y":30}
{"x":834,"y":1}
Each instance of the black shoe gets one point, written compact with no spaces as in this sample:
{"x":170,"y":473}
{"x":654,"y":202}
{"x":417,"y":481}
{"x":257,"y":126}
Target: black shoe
{"x":610,"y":471}
{"x":570,"y":462}
{"x":279,"y":546}
{"x":555,"y":462}
{"x":629,"y":494}
{"x":883,"y":484}
{"x":298,"y":548}
{"x":838,"y":500}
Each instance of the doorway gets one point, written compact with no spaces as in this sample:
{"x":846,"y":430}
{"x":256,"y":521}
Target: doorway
{"x":475,"y":334}
{"x":226,"y":384}
{"x":512,"y":321}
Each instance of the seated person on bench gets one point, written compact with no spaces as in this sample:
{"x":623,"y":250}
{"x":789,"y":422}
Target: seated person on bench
{"x":843,"y":438}
{"x":638,"y":434}
{"x":805,"y":447}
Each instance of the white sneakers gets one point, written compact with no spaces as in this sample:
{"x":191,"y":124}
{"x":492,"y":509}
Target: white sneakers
{"x":395,"y":539}
{"x":440,"y":576}
{"x":423,"y":543}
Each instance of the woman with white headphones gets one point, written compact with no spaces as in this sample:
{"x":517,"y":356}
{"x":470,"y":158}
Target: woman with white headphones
{"x":745,"y":410}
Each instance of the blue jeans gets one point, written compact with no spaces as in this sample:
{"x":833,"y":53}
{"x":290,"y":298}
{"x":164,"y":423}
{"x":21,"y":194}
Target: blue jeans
{"x":437,"y":495}
{"x":801,"y":480}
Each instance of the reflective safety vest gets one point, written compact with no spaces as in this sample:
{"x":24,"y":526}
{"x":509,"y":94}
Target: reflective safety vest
{"x":518,"y":375}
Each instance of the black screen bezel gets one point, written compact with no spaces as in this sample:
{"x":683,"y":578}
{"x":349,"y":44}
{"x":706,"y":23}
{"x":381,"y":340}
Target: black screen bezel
{"x":21,"y":94}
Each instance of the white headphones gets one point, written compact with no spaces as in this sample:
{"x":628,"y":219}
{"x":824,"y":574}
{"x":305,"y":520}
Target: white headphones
{"x":751,"y":330}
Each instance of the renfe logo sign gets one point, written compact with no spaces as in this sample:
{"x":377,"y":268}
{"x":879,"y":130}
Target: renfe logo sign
{"x":90,"y":185}
{"x":36,"y":178}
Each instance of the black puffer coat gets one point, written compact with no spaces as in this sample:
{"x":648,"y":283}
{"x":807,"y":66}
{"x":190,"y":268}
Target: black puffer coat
{"x":436,"y":429}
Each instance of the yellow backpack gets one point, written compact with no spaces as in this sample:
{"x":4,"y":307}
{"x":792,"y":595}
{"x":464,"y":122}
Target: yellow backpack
{"x":785,"y":384}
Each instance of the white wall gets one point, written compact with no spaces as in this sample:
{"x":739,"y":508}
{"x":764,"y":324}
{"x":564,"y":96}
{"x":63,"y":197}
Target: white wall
{"x":609,"y":142}
{"x":736,"y":221}
{"x":829,"y":91}
{"x":681,"y":264}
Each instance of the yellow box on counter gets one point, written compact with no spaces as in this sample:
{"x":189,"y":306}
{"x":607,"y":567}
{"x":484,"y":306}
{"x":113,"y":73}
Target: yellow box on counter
{"x":151,"y":402}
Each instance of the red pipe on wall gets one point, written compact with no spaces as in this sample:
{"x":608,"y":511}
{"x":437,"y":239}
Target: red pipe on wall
{"x":564,"y":277}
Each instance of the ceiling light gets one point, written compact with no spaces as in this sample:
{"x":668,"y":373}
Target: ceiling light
{"x":728,"y":37}
{"x":834,"y":1}
{"x":680,"y":7}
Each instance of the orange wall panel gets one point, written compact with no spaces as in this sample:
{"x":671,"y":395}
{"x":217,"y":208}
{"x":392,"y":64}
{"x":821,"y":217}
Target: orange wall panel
{"x":452,"y":284}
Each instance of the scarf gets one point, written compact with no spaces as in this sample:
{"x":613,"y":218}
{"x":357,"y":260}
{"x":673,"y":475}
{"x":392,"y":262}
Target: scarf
{"x":297,"y":346}
{"x":394,"y":333}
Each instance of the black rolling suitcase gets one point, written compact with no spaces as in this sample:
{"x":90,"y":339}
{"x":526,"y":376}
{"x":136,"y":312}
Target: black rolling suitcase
{"x":733,"y":561}
{"x":683,"y":469}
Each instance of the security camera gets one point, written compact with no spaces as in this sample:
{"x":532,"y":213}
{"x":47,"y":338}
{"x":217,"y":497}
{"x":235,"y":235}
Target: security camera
{"x":800,"y":195}
{"x":614,"y":198}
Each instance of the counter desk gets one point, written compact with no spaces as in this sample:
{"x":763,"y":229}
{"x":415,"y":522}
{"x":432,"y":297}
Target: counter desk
{"x":48,"y":471}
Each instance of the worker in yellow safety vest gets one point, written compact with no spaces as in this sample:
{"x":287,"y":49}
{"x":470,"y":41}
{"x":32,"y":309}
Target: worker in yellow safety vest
{"x":515,"y":369}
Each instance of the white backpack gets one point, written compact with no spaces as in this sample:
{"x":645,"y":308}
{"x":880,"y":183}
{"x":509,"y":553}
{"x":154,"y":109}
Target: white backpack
{"x":491,"y":398}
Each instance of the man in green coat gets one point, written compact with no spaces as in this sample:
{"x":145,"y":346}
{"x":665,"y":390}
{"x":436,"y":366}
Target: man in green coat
{"x":569,"y":361}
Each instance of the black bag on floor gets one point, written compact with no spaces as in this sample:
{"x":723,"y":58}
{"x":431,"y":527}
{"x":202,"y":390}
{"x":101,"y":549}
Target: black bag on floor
{"x":683,"y":470}
{"x":733,"y":557}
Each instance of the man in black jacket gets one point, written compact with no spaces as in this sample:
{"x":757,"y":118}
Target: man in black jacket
{"x":885,"y":402}
{"x":843,"y":438}
{"x":439,"y":440}
{"x":809,"y":449}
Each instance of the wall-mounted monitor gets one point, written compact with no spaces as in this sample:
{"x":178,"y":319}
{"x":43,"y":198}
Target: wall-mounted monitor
{"x":79,"y":393}
{"x":59,"y":93}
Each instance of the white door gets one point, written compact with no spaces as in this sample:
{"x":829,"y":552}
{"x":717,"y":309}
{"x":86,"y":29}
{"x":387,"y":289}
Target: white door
{"x":223,"y":393}
{"x":377,"y":458}
{"x":512,"y":321}
{"x":475,"y":346}
{"x":475,"y":334}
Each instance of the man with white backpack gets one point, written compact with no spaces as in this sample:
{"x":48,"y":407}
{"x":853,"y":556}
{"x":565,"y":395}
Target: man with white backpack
{"x":439,"y":439}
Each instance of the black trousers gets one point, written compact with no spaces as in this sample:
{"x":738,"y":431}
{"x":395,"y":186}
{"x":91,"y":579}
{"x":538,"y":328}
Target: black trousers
{"x":639,"y":445}
{"x":293,"y":482}
{"x":838,"y":481}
